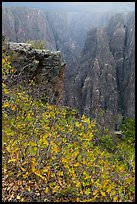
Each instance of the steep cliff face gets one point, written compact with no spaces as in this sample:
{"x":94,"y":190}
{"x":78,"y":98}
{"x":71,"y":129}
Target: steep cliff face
{"x":129,"y":69}
{"x":98,"y":75}
{"x":95,"y":82}
{"x":46,"y":68}
{"x":121,"y":32}
{"x":22,"y":24}
{"x":64,"y":31}
{"x":105,"y":74}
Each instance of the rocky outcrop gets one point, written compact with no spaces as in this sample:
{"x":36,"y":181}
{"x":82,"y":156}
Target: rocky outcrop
{"x":46,"y":68}
{"x":106,"y":70}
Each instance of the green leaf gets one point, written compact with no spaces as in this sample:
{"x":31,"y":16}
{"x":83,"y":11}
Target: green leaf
{"x":33,"y":151}
{"x":87,"y":191}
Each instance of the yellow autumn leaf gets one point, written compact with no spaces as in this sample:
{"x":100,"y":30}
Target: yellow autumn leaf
{"x":25,"y":175}
{"x":24,"y":163}
{"x":113,"y":193}
{"x":12,"y":70}
{"x":29,"y":188}
{"x":3,"y":61}
{"x":3,"y":85}
{"x":84,"y":161}
{"x":60,"y":173}
{"x":115,"y":198}
{"x":84,"y":135}
{"x":49,"y":174}
{"x":103,"y":193}
{"x":6,"y":105}
{"x":46,"y":190}
{"x":55,"y":189}
{"x":33,"y":159}
{"x":23,"y":169}
{"x":35,"y":171}
{"x":105,"y":183}
{"x":34,"y":163}
{"x":77,"y":124}
{"x":83,"y":117}
{"x":46,"y":169}
{"x":14,"y":107}
{"x":6,"y":91}
{"x":11,"y":160}
{"x":121,"y":169}
{"x":18,"y":197}
{"x":78,"y":184}
{"x":64,"y":160}
{"x":87,"y":177}
{"x":22,"y":200}
{"x":94,"y":198}
{"x":109,"y":189}
{"x":55,"y":148}
{"x":76,"y":164}
{"x":78,"y":199}
{"x":66,"y":166}
{"x":33,"y":144}
{"x":75,"y":153}
{"x":95,"y":192}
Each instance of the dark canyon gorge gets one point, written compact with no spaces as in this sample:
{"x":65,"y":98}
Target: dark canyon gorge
{"x":98,"y":48}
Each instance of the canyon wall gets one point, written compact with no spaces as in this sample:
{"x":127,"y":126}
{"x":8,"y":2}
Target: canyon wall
{"x":99,"y":50}
{"x":106,"y":70}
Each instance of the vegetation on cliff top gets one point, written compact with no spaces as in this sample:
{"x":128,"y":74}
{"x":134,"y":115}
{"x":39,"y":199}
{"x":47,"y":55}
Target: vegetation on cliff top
{"x":37,"y":44}
{"x":49,"y":153}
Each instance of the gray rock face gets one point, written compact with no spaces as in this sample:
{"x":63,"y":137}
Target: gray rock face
{"x":22,"y":24}
{"x":46,"y":68}
{"x":122,"y":46}
{"x":102,"y":75}
{"x":98,"y":88}
{"x":106,"y":70}
{"x":64,"y":31}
